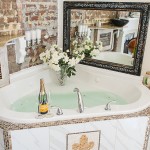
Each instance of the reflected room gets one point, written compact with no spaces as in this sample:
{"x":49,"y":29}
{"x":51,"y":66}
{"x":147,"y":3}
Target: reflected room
{"x":116,"y":30}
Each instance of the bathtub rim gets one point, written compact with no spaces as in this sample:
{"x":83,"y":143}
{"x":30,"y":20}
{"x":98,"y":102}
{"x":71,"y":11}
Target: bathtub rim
{"x":76,"y":115}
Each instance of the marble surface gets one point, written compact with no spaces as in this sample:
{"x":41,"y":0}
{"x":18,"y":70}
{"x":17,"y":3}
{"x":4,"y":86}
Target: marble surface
{"x":30,"y":139}
{"x":123,"y":134}
{"x":131,"y":133}
{"x":1,"y":140}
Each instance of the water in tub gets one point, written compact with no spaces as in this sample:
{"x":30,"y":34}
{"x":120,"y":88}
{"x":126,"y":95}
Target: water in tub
{"x":67,"y":99}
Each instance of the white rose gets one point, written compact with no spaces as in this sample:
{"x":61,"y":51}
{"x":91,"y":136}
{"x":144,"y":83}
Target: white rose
{"x":89,"y":42}
{"x":81,"y":49}
{"x":55,"y":57}
{"x":55,"y":54}
{"x":72,"y":62}
{"x":55,"y":67}
{"x":61,"y":55}
{"x":55,"y":46}
{"x":52,"y":49}
{"x":44,"y":60}
{"x":47,"y":53}
{"x":66,"y":58}
{"x":87,"y":47}
{"x":76,"y":52}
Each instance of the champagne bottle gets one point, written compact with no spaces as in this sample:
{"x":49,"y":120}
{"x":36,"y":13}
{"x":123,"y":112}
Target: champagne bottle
{"x":43,"y":101}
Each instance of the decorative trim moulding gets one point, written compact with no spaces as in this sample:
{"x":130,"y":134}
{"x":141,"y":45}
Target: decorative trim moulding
{"x":147,"y":136}
{"x":7,"y":140}
{"x":9,"y":126}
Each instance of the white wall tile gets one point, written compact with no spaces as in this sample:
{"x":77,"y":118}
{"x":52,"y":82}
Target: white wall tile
{"x":1,"y":140}
{"x":123,"y":134}
{"x":30,"y":139}
{"x":131,"y":133}
{"x":108,"y":134}
{"x":58,"y":134}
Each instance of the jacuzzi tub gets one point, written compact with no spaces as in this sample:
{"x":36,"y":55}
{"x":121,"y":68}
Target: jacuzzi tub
{"x":127,"y":90}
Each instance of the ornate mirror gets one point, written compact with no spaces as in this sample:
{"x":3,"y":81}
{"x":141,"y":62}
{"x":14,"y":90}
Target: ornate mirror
{"x":121,"y":27}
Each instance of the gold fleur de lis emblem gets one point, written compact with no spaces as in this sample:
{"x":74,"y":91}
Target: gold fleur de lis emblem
{"x":84,"y":144}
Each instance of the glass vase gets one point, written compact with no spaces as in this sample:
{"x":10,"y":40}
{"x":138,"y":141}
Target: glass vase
{"x":62,"y":76}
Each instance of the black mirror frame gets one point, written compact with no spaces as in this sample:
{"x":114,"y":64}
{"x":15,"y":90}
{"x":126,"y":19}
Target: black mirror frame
{"x":143,"y":8}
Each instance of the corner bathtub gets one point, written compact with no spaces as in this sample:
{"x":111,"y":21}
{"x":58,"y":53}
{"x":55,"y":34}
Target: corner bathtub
{"x":18,"y":101}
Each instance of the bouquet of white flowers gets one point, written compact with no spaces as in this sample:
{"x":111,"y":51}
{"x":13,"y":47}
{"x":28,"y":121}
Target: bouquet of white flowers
{"x":60,"y":61}
{"x":87,"y":47}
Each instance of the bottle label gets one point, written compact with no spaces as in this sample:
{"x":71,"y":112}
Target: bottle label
{"x":43,"y":108}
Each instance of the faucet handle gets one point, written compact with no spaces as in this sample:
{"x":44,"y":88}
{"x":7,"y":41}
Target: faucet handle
{"x":108,"y":105}
{"x":59,"y":111}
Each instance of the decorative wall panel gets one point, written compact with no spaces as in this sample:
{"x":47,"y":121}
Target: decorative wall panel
{"x":84,"y":141}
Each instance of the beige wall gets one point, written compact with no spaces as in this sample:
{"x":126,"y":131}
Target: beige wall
{"x":146,"y":60}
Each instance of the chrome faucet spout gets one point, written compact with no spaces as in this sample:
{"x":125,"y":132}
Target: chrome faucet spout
{"x":108,"y":105}
{"x":80,"y":101}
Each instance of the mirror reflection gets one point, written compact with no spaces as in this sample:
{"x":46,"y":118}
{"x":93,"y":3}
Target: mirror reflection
{"x":116,"y":30}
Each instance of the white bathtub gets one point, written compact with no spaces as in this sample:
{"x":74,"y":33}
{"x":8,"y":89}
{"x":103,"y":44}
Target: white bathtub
{"x":87,"y":78}
{"x":116,"y":57}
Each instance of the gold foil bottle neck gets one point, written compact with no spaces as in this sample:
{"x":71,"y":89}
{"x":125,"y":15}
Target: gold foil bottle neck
{"x":42,"y":87}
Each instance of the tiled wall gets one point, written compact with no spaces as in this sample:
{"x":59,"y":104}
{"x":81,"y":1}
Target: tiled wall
{"x":28,"y":14}
{"x":122,"y":134}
